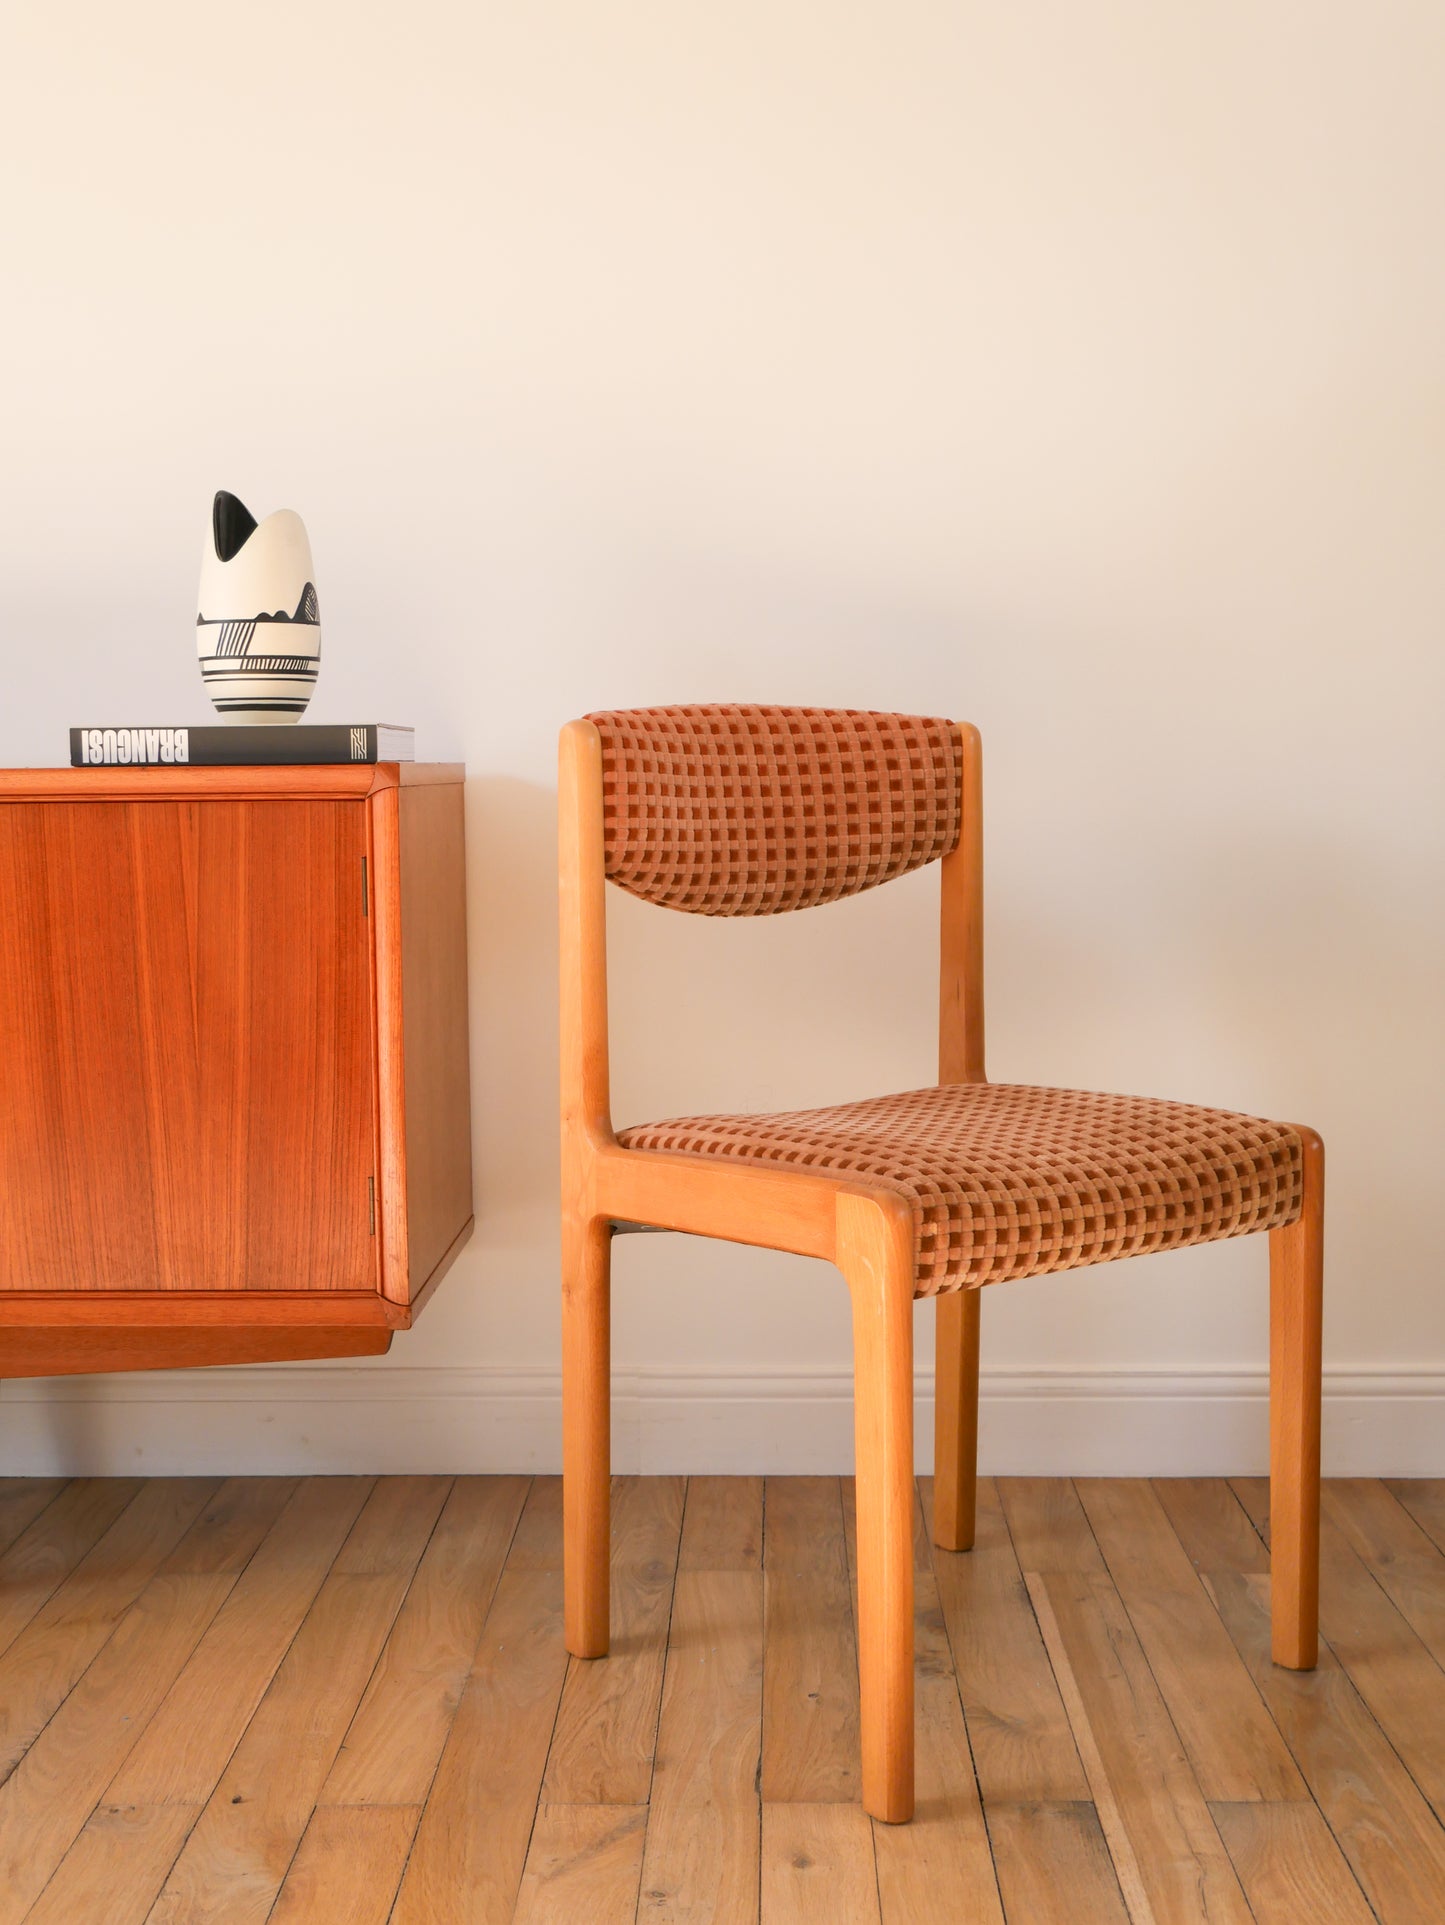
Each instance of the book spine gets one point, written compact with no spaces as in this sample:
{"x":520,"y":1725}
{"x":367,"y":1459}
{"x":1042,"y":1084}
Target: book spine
{"x":227,"y":747}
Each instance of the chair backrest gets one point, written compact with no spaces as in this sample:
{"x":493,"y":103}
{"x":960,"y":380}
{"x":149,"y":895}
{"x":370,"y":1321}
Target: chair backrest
{"x":729,"y":811}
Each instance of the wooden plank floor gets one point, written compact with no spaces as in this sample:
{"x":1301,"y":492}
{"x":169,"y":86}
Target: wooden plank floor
{"x":343,"y":1701}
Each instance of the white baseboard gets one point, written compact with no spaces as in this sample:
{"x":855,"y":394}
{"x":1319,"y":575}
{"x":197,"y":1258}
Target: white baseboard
{"x":366,"y":1417}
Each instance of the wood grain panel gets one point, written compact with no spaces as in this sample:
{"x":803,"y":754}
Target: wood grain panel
{"x":348,"y":1866}
{"x":225,"y":1535}
{"x":1023,"y":1750}
{"x":700,"y":1865}
{"x":49,"y":1550}
{"x":1290,"y":1866}
{"x":46,"y":1801}
{"x":701,"y":1862}
{"x":243,"y":782}
{"x":438,"y":1109}
{"x":1047,"y":1524}
{"x":60,"y":1641}
{"x":259,"y":1810}
{"x":184,"y":1749}
{"x":56,"y":1350}
{"x":937,"y":1868}
{"x":48,"y":1797}
{"x":709,"y":1736}
{"x":116,"y":1866}
{"x":537,"y":1545}
{"x":1054,"y":1866}
{"x":185,"y":1049}
{"x":1211,"y":1524}
{"x":1394,"y":1844}
{"x":22,"y":1499}
{"x":1170,"y":1860}
{"x":304,"y":1077}
{"x":384,"y":909}
{"x":1379,"y":1651}
{"x":1406,"y":1562}
{"x":602,"y":1748}
{"x":224,"y":1797}
{"x":810,"y":1656}
{"x":722,"y":1526}
{"x":1424,"y":1499}
{"x":817,"y":1865}
{"x":471,"y":1845}
{"x":584,"y":1862}
{"x":1233,"y":1745}
{"x":391,"y":1751}
{"x":154,"y":1311}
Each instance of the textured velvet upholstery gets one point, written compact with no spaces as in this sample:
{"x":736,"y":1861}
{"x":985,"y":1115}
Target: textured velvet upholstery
{"x":750,"y":811}
{"x":1010,"y":1181}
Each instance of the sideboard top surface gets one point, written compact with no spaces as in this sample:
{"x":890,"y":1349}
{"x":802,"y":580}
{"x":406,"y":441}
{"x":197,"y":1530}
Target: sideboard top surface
{"x":309,"y":781}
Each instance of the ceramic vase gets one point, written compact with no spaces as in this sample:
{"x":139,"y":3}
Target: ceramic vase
{"x":258,"y":628}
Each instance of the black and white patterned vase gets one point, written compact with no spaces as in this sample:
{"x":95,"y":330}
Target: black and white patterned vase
{"x":258,"y":629}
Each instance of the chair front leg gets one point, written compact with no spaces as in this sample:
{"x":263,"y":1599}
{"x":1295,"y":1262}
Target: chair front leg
{"x":875,"y":1254}
{"x":955,"y":1419}
{"x":1296,"y":1285}
{"x":586,"y":1431}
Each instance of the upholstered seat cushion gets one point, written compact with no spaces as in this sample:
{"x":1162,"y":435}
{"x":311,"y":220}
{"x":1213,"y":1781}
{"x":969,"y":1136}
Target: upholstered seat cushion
{"x":1010,"y":1181}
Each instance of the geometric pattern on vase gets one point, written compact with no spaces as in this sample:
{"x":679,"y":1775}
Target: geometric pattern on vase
{"x":258,"y":623}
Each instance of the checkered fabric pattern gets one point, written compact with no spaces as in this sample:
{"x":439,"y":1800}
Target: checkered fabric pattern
{"x":751,"y":811}
{"x":1010,"y":1181}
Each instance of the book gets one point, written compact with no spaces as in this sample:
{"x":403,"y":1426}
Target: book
{"x":236,"y":745}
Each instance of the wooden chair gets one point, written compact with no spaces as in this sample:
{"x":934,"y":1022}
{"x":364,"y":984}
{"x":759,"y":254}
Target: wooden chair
{"x":936,"y":1192}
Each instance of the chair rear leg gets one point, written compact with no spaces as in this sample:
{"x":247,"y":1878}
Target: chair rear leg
{"x":875,"y":1253}
{"x":586,"y":1432}
{"x":1296,"y":1281}
{"x":955,"y":1420}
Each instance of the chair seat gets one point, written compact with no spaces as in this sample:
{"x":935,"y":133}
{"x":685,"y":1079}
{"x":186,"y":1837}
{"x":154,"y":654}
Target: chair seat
{"x":1010,"y":1181}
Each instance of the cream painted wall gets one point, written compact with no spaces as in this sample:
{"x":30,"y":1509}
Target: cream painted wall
{"x":1076,"y":369}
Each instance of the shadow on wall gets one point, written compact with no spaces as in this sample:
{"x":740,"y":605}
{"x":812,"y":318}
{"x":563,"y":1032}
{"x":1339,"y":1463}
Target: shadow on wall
{"x":76,"y":1428}
{"x":1324,"y":963}
{"x":512,"y":935}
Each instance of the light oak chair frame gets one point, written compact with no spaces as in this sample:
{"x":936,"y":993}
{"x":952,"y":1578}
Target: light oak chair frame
{"x":868,"y":1233}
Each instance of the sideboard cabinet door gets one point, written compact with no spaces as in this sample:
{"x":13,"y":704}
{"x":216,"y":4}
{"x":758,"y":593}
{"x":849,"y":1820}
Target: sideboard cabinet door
{"x":187,"y":1083}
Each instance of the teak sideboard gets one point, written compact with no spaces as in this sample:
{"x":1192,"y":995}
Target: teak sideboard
{"x":234,"y":1087}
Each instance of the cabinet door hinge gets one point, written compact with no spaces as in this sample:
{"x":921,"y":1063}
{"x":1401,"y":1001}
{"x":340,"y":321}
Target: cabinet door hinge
{"x":371,"y":1202}
{"x":365,"y":893}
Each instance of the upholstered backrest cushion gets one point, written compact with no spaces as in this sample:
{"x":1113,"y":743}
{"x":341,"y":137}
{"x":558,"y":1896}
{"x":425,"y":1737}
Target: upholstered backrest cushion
{"x":749,"y":811}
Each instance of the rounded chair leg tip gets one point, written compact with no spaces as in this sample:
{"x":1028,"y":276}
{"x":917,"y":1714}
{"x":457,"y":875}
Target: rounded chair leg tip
{"x":586,"y":1635}
{"x":1296,"y":1657}
{"x":898,"y":1811}
{"x":953,"y":1541}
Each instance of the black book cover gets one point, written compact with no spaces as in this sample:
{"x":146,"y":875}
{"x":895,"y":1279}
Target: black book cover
{"x":237,"y":745}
